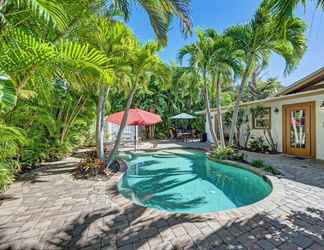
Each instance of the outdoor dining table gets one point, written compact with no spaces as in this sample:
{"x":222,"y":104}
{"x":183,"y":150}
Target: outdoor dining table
{"x":185,"y":136}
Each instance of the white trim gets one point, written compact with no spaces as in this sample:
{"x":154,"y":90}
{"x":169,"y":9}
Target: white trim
{"x":271,"y":99}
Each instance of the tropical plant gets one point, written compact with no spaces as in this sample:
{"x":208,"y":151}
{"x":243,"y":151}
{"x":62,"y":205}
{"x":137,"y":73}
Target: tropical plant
{"x":258,"y":145}
{"x":258,"y":40}
{"x":258,"y":163}
{"x":160,"y":13}
{"x":222,"y":153}
{"x":284,"y":9}
{"x":115,"y":40}
{"x":8,"y":97}
{"x":142,"y":65}
{"x":11,"y":139}
{"x":52,"y":11}
{"x":225,"y":66}
{"x":200,"y":54}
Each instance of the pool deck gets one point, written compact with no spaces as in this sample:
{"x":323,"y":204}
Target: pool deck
{"x":49,"y":209}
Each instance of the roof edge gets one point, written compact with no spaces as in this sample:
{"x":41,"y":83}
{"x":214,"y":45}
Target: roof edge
{"x":300,"y":82}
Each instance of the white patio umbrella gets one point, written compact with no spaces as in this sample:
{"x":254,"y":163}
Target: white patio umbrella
{"x":183,"y":116}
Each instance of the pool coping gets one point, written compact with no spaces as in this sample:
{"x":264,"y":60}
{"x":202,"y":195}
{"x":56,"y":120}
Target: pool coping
{"x":270,"y":202}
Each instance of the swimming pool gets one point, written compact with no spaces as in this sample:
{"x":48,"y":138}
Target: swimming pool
{"x":187,"y":181}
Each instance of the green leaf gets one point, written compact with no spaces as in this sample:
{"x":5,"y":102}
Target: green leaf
{"x":8,"y":97}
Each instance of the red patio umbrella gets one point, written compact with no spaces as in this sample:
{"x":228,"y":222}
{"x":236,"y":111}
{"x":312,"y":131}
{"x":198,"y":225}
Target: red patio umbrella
{"x":136,"y":117}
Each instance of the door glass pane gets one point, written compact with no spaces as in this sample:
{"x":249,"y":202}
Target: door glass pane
{"x":297,"y":129}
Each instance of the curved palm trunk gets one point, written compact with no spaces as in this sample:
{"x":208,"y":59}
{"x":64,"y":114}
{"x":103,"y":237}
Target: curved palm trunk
{"x":219,"y":111}
{"x":122,"y":126}
{"x":100,"y":123}
{"x":208,"y":115}
{"x":237,"y":103}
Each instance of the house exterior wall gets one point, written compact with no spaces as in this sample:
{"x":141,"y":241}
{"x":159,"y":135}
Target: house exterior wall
{"x":277,"y":122}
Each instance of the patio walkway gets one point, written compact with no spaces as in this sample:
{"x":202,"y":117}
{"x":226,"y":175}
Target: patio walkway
{"x":51,"y":210}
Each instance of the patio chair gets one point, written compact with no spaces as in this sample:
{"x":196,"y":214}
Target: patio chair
{"x":173,"y":133}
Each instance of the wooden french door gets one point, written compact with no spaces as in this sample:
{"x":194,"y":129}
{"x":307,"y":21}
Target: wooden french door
{"x":299,"y":129}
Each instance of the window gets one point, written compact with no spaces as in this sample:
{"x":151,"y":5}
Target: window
{"x":261,"y":118}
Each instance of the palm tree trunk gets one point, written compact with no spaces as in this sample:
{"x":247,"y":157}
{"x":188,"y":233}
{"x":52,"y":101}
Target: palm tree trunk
{"x":219,"y":111}
{"x":208,"y":115}
{"x":100,"y":123}
{"x":122,"y":126}
{"x":238,"y":100}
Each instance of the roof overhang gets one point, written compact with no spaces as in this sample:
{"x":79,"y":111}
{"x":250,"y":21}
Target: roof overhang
{"x":270,"y":100}
{"x":312,"y":78}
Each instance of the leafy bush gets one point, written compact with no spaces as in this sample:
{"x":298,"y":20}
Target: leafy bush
{"x":267,"y":168}
{"x":258,"y":163}
{"x":222,"y":153}
{"x":89,"y":166}
{"x":6,"y":175}
{"x":238,"y":157}
{"x":258,"y":145}
{"x":11,"y":139}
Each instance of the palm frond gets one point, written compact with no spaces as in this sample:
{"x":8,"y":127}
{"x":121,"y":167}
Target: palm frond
{"x":8,"y":97}
{"x":48,"y":10}
{"x":82,"y":55}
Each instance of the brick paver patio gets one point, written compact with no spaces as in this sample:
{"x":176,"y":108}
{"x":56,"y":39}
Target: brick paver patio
{"x":51,"y":210}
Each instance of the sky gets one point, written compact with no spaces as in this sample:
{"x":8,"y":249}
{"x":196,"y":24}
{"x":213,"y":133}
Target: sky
{"x":220,"y":14}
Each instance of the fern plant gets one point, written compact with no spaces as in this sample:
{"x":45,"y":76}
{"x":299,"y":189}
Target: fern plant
{"x":11,"y":139}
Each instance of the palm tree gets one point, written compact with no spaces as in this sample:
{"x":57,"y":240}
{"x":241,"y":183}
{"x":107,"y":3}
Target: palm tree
{"x":142,"y":64}
{"x":190,"y":83}
{"x":284,"y":9}
{"x":200,"y":55}
{"x":160,"y":13}
{"x":225,"y":66}
{"x":50,"y":11}
{"x":258,"y":39}
{"x":115,"y":40}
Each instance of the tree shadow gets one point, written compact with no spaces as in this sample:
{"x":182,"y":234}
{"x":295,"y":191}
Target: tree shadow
{"x":7,"y":197}
{"x":132,"y":227}
{"x":299,"y":230}
{"x":40,"y":174}
{"x":154,"y":189}
{"x":306,"y":171}
{"x":119,"y":228}
{"x":158,"y":186}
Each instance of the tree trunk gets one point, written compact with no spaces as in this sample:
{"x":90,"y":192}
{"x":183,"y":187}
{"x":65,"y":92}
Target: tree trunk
{"x":219,"y":111}
{"x":100,"y":122}
{"x":208,"y":115}
{"x":238,"y":100}
{"x":121,"y":128}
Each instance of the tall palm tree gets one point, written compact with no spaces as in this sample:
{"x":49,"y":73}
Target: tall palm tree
{"x":284,"y":9}
{"x":115,"y":40}
{"x":200,"y":54}
{"x":142,"y":64}
{"x":225,"y":66}
{"x":258,"y":40}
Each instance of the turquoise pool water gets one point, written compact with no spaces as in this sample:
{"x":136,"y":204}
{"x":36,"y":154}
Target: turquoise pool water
{"x":186,"y":181}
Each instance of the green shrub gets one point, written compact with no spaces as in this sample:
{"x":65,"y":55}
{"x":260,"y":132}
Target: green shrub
{"x":11,"y":139}
{"x":258,"y":163}
{"x":238,"y":157}
{"x":258,"y":145}
{"x":267,"y":168}
{"x":6,"y":175}
{"x":222,"y":153}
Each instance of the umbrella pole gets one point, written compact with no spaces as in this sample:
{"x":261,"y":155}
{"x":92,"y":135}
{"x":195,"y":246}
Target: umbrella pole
{"x":135,"y":136}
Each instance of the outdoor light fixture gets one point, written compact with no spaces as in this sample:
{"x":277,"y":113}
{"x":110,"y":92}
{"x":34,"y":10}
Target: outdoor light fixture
{"x":276,"y":110}
{"x":322,"y":106}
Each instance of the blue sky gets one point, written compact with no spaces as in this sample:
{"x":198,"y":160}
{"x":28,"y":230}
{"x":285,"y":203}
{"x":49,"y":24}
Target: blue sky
{"x":220,"y":14}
